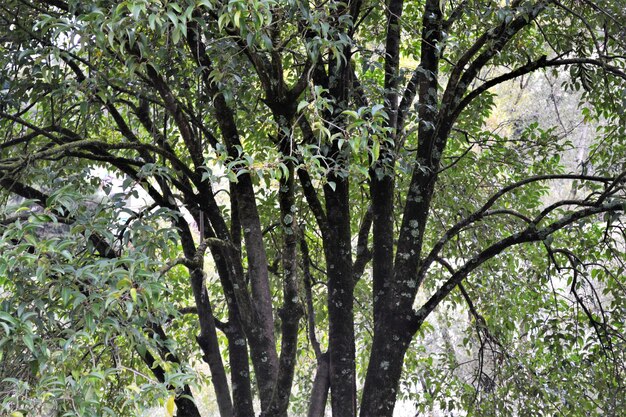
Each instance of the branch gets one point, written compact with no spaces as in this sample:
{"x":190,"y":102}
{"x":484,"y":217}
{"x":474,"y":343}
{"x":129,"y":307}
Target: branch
{"x":392,"y":59}
{"x":363,"y":253}
{"x":193,"y":145}
{"x":23,"y":190}
{"x":291,"y":310}
{"x":183,"y":400}
{"x":223,"y":326}
{"x":13,"y":186}
{"x":421,"y":187}
{"x":58,"y":4}
{"x":461,"y":78}
{"x":481,"y":323}
{"x":530,"y":234}
{"x":213,"y":243}
{"x":481,"y":212}
{"x":310,"y":193}
{"x":575,"y":262}
{"x":93,"y":145}
{"x":321,"y":386}
{"x":37,"y":129}
{"x":22,"y":139}
{"x":533,"y":66}
{"x":308,"y":292}
{"x":456,"y":14}
{"x":178,"y":261}
{"x":261,"y":332}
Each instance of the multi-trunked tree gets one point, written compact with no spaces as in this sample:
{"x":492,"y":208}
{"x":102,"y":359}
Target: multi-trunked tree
{"x":335,"y":161}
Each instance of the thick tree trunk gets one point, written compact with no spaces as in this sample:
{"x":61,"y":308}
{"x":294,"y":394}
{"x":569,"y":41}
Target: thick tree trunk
{"x":291,"y":311}
{"x":341,"y":347}
{"x":185,"y":407}
{"x":384,"y":370}
{"x":259,"y":325}
{"x":382,"y":190}
{"x":227,"y":263}
{"x":239,"y":370}
{"x":207,"y":338}
{"x":237,"y":343}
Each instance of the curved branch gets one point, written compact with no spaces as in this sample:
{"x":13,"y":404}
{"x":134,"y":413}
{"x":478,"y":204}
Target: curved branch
{"x":530,"y":234}
{"x":533,"y":66}
{"x":481,"y":212}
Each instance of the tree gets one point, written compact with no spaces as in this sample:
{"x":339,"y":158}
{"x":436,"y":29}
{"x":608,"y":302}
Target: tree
{"x":329,"y":166}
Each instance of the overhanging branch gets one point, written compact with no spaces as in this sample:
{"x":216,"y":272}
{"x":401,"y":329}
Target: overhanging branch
{"x":484,"y":210}
{"x":530,"y":234}
{"x":533,"y":66}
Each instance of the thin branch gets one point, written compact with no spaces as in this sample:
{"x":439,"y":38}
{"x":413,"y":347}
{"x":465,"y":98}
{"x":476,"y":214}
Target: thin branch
{"x":456,"y":14}
{"x":313,"y":201}
{"x":542,"y":62}
{"x":363,"y":253}
{"x":480,"y":213}
{"x":308,"y":292}
{"x":530,"y":234}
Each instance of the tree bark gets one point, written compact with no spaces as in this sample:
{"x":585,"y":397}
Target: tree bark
{"x":321,"y":385}
{"x":385,"y":368}
{"x":259,"y":327}
{"x":207,"y":339}
{"x":341,"y":345}
{"x":239,"y":369}
{"x":291,"y":310}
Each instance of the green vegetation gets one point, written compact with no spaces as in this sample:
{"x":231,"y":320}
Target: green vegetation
{"x":302,"y":205}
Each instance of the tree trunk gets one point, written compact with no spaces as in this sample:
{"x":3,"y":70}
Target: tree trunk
{"x":341,"y":346}
{"x":384,"y":370}
{"x":321,"y":385}
{"x":291,"y":310}
{"x":207,"y":339}
{"x":239,"y":369}
{"x":185,"y":405}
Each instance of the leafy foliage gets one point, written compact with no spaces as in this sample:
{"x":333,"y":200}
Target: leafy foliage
{"x":311,"y":197}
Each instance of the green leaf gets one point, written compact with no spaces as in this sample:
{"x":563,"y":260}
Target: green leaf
{"x":172,"y":17}
{"x":124,"y":283}
{"x":223,"y":21}
{"x":8,"y":318}
{"x":376,"y":109}
{"x":152,"y":21}
{"x":28,"y":341}
{"x":375,"y":150}
{"x":175,"y":35}
{"x":301,"y":105}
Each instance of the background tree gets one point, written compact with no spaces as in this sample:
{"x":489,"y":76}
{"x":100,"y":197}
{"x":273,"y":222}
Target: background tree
{"x":328,"y":164}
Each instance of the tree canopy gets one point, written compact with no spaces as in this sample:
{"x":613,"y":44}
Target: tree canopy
{"x":304,"y":202}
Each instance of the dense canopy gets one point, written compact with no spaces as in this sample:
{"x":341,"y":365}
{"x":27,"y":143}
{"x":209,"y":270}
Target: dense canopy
{"x":273,"y":207}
